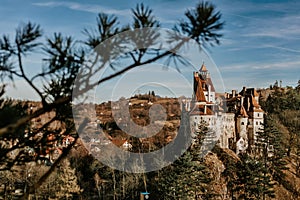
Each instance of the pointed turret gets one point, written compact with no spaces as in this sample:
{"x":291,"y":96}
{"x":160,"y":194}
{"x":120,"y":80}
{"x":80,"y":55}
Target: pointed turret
{"x":203,"y":68}
{"x":198,"y":90}
{"x":203,"y":71}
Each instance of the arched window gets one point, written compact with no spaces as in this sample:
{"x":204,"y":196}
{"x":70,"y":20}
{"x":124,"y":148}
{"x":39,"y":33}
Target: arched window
{"x":242,"y":123}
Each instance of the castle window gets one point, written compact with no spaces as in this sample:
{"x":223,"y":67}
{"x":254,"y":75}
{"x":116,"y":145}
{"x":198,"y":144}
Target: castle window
{"x":242,"y":123}
{"x":195,"y":117}
{"x":257,"y":114}
{"x":256,"y":123}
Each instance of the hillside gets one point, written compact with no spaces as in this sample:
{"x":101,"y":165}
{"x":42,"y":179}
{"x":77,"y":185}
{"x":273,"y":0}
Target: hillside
{"x":221,"y":174}
{"x":225,"y":170}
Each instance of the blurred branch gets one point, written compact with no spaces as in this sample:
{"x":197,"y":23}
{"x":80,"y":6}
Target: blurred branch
{"x":56,"y":163}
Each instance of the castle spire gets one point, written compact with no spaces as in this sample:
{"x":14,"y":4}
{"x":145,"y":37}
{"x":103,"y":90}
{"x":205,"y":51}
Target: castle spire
{"x":203,"y":68}
{"x":203,"y":71}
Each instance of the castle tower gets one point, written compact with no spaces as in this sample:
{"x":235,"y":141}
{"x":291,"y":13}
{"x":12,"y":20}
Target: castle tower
{"x":242,"y":122}
{"x":258,"y":119}
{"x":242,"y":125}
{"x":203,"y":101}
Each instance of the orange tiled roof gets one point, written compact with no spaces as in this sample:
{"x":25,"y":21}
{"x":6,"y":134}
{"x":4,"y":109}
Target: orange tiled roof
{"x":199,"y":110}
{"x":254,"y":103}
{"x":258,"y":110}
{"x":199,"y":90}
{"x":243,"y":112}
{"x":255,"y":93}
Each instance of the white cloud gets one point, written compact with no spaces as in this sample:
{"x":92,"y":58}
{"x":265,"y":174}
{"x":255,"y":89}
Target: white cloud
{"x":283,"y":48}
{"x":278,"y":65}
{"x":257,"y":66}
{"x":92,"y":8}
{"x":287,"y":27}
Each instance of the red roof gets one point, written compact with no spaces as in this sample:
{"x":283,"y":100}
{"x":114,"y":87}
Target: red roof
{"x":243,"y":111}
{"x":254,"y":103}
{"x":199,"y":110}
{"x":199,"y":88}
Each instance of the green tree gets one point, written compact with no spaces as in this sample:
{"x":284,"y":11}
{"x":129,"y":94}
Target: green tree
{"x":188,"y":177}
{"x":63,"y":56}
{"x":253,"y":181}
{"x":271,"y":150}
{"x":61,"y":185}
{"x":298,"y":86}
{"x":203,"y":24}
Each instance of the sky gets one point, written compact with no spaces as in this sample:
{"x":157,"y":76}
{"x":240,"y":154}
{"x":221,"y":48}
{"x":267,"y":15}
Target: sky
{"x":260,"y":43}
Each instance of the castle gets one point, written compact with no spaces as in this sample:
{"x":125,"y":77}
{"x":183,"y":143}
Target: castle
{"x":237,"y":117}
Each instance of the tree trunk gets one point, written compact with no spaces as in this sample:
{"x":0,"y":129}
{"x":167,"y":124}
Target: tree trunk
{"x":114,"y":180}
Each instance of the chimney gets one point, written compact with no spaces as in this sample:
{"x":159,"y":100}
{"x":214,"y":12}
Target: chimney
{"x":233,"y":93}
{"x":242,"y":101}
{"x":244,"y":90}
{"x":248,"y":104}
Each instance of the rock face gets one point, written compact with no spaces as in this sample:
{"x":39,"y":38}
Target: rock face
{"x":289,"y":189}
{"x":216,"y":167}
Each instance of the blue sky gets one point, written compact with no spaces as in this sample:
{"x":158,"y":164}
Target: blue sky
{"x":261,"y":40}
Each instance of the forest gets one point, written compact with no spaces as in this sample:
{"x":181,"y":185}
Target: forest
{"x":43,"y":157}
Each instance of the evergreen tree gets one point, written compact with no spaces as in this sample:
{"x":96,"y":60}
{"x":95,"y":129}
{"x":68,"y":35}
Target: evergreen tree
{"x":277,"y":162}
{"x":153,"y":93}
{"x":188,"y":177}
{"x":185,"y":178}
{"x":61,"y":185}
{"x":253,"y":181}
{"x":298,"y":86}
{"x":67,"y":182}
{"x":65,"y":56}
